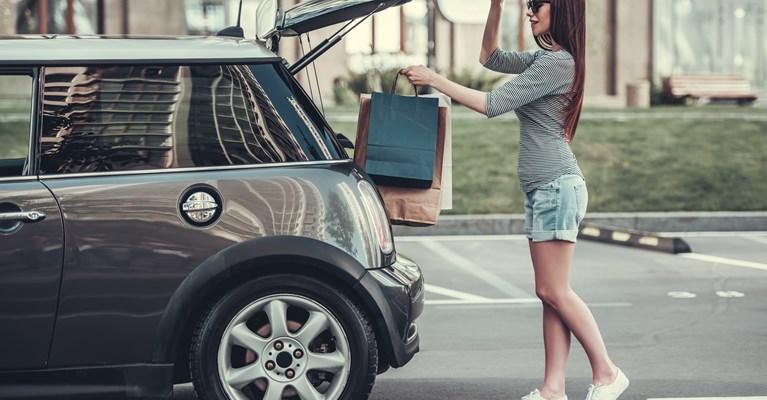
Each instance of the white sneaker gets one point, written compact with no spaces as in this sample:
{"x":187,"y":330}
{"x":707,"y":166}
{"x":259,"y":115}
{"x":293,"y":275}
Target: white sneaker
{"x":536,"y":395}
{"x":611,"y":391}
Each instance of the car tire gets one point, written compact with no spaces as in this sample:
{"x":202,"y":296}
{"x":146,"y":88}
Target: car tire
{"x":321,"y":346}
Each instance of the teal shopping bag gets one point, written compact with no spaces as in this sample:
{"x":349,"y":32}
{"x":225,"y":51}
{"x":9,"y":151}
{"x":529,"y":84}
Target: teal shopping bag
{"x":402,"y":140}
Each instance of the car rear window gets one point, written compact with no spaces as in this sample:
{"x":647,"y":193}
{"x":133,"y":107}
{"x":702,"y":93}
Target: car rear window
{"x":122,"y":118}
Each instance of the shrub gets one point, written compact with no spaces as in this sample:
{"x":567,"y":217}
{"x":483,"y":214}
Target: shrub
{"x":475,"y":80}
{"x":377,"y":80}
{"x":358,"y":82}
{"x":381,"y":80}
{"x":342,"y":95}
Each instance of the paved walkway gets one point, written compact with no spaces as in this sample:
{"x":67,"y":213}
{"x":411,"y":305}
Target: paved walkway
{"x":603,"y":116}
{"x":617,"y":116}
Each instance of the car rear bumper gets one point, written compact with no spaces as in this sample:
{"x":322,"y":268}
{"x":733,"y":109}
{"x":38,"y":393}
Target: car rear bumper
{"x":397,"y":293}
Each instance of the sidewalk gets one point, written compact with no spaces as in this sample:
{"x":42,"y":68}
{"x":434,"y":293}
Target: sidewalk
{"x":617,"y":116}
{"x":657,"y":222}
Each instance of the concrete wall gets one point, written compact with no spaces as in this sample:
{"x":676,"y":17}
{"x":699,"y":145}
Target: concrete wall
{"x":330,"y":66}
{"x":7,"y":17}
{"x":599,"y":46}
{"x":443,"y":52}
{"x":151,"y":17}
{"x":634,"y":41}
{"x":466,"y":57}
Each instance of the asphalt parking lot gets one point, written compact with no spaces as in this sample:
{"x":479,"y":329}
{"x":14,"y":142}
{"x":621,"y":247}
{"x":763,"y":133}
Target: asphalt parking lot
{"x":680,"y":326}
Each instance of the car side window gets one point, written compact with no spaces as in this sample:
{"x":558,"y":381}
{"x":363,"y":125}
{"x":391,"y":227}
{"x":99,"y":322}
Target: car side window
{"x":302,"y":117}
{"x":127,"y":118}
{"x":15,"y":123}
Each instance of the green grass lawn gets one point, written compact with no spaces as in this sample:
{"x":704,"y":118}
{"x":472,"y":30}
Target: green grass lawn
{"x":14,"y":134}
{"x":638,"y":165}
{"x":14,"y":145}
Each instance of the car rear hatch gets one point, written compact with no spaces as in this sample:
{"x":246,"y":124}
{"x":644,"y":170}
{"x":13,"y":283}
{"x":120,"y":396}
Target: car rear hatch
{"x":313,"y":15}
{"x":316,"y":14}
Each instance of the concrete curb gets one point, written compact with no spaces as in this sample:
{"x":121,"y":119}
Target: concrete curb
{"x":514,"y":224}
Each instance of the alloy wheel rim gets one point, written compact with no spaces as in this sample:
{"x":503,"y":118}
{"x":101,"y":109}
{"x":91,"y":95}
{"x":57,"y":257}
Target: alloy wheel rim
{"x":303,"y":352}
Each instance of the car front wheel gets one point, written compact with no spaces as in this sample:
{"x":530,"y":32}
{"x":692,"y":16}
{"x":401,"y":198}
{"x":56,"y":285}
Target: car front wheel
{"x":284,"y":337}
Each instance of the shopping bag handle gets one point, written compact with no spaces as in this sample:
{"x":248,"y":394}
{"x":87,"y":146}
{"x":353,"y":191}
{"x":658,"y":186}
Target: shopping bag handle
{"x":394,"y":85}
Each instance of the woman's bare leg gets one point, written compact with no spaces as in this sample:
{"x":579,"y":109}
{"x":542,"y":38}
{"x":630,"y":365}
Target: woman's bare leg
{"x":551,"y":262}
{"x":556,"y":342}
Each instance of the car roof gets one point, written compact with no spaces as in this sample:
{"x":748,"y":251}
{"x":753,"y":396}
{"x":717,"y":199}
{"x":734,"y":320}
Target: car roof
{"x":82,"y":50}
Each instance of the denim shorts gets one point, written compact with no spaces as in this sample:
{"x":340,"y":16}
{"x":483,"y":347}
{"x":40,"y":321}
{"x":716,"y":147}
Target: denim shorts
{"x":554,"y":210}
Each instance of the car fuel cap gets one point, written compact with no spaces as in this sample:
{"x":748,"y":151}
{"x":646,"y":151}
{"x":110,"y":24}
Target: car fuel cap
{"x":200,"y":208}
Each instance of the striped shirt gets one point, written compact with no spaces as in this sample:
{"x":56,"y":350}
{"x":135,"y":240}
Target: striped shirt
{"x":538,"y":96}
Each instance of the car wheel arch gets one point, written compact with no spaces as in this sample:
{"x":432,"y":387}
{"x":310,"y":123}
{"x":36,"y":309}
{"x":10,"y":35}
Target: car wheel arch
{"x":249,"y":260}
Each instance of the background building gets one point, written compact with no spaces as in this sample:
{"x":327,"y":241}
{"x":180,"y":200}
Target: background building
{"x":628,"y":40}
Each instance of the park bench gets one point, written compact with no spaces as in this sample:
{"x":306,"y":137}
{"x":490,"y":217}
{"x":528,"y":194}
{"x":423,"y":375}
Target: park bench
{"x":704,"y":88}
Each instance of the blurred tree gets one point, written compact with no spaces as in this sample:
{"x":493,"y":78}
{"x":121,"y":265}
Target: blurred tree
{"x":521,"y":25}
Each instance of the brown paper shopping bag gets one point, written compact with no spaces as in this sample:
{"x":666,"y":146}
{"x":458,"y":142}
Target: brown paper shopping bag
{"x":411,"y":206}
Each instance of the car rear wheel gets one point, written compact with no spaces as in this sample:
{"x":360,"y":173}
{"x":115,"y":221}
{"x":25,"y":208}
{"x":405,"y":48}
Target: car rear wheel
{"x":284,"y":337}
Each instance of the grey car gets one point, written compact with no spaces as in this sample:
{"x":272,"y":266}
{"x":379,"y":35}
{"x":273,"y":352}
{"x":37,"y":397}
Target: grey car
{"x":176,"y":210}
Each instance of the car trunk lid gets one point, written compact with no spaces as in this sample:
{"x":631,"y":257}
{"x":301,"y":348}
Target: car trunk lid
{"x":313,"y":15}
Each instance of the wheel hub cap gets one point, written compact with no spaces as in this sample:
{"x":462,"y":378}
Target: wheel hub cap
{"x":277,"y":361}
{"x":279,"y":355}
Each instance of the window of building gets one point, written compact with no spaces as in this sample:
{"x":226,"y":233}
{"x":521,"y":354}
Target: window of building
{"x":516,"y":32}
{"x":387,"y":31}
{"x":79,"y":17}
{"x":394,"y":37}
{"x":204,"y":17}
{"x":515,"y":29}
{"x":711,"y":36}
{"x":416,"y":27}
{"x":126,"y":118}
{"x":360,"y":40}
{"x":381,"y":33}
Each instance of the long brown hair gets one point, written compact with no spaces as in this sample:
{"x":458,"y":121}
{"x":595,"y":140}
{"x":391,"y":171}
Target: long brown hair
{"x":568,"y":29}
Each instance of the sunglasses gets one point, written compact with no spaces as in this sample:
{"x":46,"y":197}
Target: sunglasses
{"x":536,"y":5}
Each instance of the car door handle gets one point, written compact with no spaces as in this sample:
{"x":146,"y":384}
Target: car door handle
{"x":28,"y":216}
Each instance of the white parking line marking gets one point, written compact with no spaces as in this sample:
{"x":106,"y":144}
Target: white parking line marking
{"x":527,"y":302}
{"x":729,"y":293}
{"x":722,"y":260}
{"x":714,"y":398}
{"x":713,"y":234}
{"x":682,"y":295}
{"x":454,"y":293}
{"x":471,"y":268}
{"x":485,"y":301}
{"x":758,"y":239}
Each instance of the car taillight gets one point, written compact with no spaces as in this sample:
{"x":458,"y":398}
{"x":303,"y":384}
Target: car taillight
{"x":376,"y":215}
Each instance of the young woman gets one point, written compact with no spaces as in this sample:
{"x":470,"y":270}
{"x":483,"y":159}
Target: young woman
{"x":547,"y":96}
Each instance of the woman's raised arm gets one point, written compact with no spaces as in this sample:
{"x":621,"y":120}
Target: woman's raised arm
{"x":492,"y":38}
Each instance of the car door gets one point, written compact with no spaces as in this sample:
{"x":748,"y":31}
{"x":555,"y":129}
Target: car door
{"x":31,"y":234}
